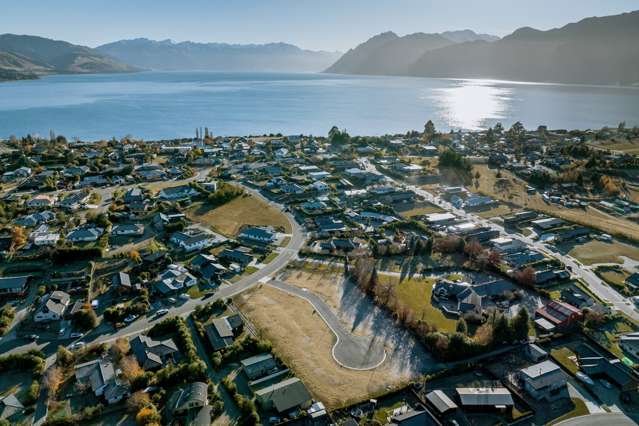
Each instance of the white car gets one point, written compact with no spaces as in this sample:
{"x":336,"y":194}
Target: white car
{"x":130,"y":319}
{"x":584,"y":378}
{"x":162,"y":312}
{"x":184,"y":296}
{"x":171,"y":300}
{"x":77,"y":345}
{"x":76,"y":335}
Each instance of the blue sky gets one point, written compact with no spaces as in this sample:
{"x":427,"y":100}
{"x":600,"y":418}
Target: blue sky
{"x":312,"y":24}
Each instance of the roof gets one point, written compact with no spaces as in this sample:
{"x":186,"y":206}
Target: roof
{"x":96,"y":373}
{"x":149,"y":352}
{"x":256,"y":359}
{"x":440,"y":401}
{"x":9,"y":405}
{"x":558,"y":312}
{"x":7,"y":283}
{"x":485,"y":396}
{"x":192,"y":395}
{"x":286,"y":394}
{"x":541,"y":369}
{"x":121,"y":279}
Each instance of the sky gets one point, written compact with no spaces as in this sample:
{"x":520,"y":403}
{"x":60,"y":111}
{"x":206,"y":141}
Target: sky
{"x":311,"y":24}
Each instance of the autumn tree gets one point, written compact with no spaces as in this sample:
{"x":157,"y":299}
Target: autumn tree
{"x":120,"y":348}
{"x":53,"y":379}
{"x":18,"y":237}
{"x":526,"y":277}
{"x":134,"y":255}
{"x":130,"y":368}
{"x":137,"y":401}
{"x":148,"y":416}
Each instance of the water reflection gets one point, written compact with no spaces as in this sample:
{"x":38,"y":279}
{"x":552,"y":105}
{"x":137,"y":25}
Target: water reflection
{"x":469,"y":104}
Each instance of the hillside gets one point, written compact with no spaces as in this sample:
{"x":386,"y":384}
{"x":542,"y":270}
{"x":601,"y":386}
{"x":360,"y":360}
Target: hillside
{"x":601,"y":50}
{"x":23,"y":55}
{"x":387,"y":54}
{"x":167,"y":55}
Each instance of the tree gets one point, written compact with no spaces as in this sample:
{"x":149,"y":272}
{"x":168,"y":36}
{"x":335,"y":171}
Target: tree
{"x":53,"y":379}
{"x":18,"y":238}
{"x":137,"y":401}
{"x":429,"y":129}
{"x":501,"y":330}
{"x":526,"y":277}
{"x":120,"y":348}
{"x":130,"y":368}
{"x":64,"y":357}
{"x":85,"y":318}
{"x":148,"y":416}
{"x":520,"y":324}
{"x":462,"y":327}
{"x":134,"y":255}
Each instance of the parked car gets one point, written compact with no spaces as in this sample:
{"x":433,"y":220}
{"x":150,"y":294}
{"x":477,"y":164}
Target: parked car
{"x":32,"y":337}
{"x":171,"y":300}
{"x":162,"y":312}
{"x":184,"y":296}
{"x":605,"y":383}
{"x":584,"y":378}
{"x":130,"y":319}
{"x":77,"y":345}
{"x":76,"y":335}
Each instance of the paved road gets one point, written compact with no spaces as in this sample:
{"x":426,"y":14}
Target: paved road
{"x":594,"y":283}
{"x":350,"y":351}
{"x":608,"y":419}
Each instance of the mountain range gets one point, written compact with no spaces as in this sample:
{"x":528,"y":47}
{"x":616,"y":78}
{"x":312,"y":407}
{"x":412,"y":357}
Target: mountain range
{"x":599,"y":50}
{"x":24,"y":56}
{"x":167,"y":55}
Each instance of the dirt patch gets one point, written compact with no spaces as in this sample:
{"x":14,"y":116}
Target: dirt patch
{"x":601,"y":252}
{"x":304,"y":342}
{"x":245,"y":210}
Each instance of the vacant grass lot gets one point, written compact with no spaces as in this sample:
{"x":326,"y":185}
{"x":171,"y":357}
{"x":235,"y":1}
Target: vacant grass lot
{"x":510,"y":188}
{"x":579,"y":410}
{"x":595,"y":251}
{"x":421,"y":210}
{"x":244,"y":210}
{"x":563,"y":356}
{"x":304,"y":342}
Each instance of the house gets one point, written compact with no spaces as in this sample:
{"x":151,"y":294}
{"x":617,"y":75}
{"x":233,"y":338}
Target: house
{"x":53,"y":307}
{"x":101,"y":377}
{"x":190,"y":402}
{"x":174,"y":278}
{"x":34,"y":219}
{"x":258,"y":366}
{"x":240,"y":255}
{"x":630,"y":343}
{"x":212,"y":272}
{"x":14,"y":285}
{"x":161,"y":219}
{"x":488,"y":397}
{"x":633,"y":281}
{"x":507,"y":245}
{"x":121,"y":282}
{"x":20,"y":173}
{"x":560,"y":314}
{"x":152,"y":354}
{"x":544,"y":380}
{"x":85,"y":234}
{"x":411,"y":417}
{"x":43,"y":237}
{"x":195,"y":239}
{"x":613,"y":369}
{"x":262,"y":235}
{"x":75,"y":201}
{"x":128,"y":229}
{"x":93,"y":181}
{"x":221,"y":332}
{"x":10,"y":406}
{"x":41,"y":201}
{"x":284,"y":396}
{"x":182,"y":192}
{"x":547,"y":224}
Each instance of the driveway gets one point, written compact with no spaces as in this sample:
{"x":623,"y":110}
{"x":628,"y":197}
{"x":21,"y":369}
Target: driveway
{"x":350,"y":351}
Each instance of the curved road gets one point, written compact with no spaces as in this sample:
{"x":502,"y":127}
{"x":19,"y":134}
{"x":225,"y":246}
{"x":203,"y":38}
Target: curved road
{"x":609,"y":419}
{"x":350,"y":351}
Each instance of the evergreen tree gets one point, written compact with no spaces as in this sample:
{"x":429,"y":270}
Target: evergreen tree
{"x":462,"y":327}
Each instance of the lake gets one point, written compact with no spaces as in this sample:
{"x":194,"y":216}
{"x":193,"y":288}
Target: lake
{"x":172,"y":104}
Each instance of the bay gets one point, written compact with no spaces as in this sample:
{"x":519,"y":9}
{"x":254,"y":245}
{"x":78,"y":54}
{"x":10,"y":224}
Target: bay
{"x":161,"y":105}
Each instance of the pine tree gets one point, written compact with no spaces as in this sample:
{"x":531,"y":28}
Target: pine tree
{"x":462,"y":327}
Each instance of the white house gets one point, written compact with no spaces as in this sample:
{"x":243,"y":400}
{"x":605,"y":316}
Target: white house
{"x":174,"y":278}
{"x":84,"y":234}
{"x":53,"y":307}
{"x":41,"y":201}
{"x":128,"y":229}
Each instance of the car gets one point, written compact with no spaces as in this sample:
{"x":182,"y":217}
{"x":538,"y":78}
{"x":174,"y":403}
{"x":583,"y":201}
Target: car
{"x":184,"y":296}
{"x":77,"y":345}
{"x":162,"y":312}
{"x":605,"y":383}
{"x":61,"y":332}
{"x":76,"y":335}
{"x":32,"y":337}
{"x":130,"y":319}
{"x":171,"y":300}
{"x":584,"y":378}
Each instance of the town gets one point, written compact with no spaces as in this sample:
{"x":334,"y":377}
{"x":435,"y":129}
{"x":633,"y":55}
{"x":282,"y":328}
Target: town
{"x":461,"y":278}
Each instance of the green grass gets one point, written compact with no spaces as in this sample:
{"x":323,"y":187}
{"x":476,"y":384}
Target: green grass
{"x":562,"y":356}
{"x":416,"y":295}
{"x":285,"y":241}
{"x":250,"y":270}
{"x":195,"y":292}
{"x":579,"y":410}
{"x":381,"y":415}
{"x":270,"y":258}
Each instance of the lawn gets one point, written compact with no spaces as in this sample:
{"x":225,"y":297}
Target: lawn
{"x":614,"y":277}
{"x":416,"y":295}
{"x":595,"y":251}
{"x":381,"y":415}
{"x":270,"y":258}
{"x":244,"y":210}
{"x":421,"y":210}
{"x":511,"y":189}
{"x":500,"y":209}
{"x":579,"y":410}
{"x":562,"y":356}
{"x":195,"y":292}
{"x":608,"y":334}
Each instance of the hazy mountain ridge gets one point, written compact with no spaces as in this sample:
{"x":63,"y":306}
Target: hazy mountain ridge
{"x":598,"y":50}
{"x":167,"y":55}
{"x":389,"y":54}
{"x":24,"y":55}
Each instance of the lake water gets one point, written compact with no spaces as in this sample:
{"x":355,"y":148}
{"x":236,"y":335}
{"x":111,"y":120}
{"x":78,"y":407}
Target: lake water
{"x":165,"y":105}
